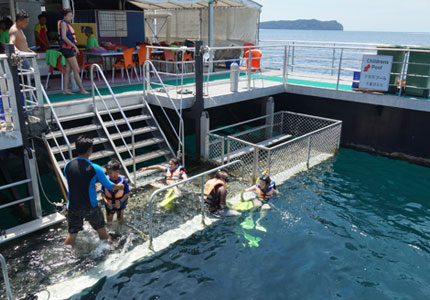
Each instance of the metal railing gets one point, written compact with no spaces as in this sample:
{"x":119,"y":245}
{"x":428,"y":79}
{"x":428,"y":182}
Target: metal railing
{"x":149,"y":69}
{"x":200,"y":176}
{"x":277,"y":141}
{"x":132,"y":151}
{"x":6,"y":277}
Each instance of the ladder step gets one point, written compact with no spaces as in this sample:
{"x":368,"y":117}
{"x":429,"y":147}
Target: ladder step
{"x":92,"y":127}
{"x":141,"y":144}
{"x":104,"y":112}
{"x":145,"y":157}
{"x":94,"y":156}
{"x":96,"y":141}
{"x":143,"y":130}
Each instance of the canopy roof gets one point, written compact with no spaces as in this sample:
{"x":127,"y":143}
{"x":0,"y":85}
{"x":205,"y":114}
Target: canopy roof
{"x":189,"y":4}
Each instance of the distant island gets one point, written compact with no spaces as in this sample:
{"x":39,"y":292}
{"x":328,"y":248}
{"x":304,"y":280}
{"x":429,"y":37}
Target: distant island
{"x":302,"y":25}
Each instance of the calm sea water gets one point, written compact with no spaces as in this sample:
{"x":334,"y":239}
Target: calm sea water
{"x":396,"y":38}
{"x":354,"y":227}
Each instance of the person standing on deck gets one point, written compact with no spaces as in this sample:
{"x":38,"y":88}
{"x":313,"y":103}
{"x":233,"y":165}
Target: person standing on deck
{"x":41,"y":33}
{"x":81,"y":175}
{"x":4,"y":32}
{"x":69,"y":50}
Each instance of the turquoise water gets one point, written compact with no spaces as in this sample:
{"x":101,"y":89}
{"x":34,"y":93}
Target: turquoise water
{"x":354,"y":227}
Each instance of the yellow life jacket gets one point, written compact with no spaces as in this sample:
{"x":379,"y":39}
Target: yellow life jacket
{"x":211,"y":184}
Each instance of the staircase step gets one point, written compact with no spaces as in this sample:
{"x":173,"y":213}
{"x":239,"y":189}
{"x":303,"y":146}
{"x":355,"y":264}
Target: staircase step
{"x":92,"y":127}
{"x":145,"y":157}
{"x":104,"y":112}
{"x":94,"y":156}
{"x":137,"y":131}
{"x":96,"y":141}
{"x":141,"y":144}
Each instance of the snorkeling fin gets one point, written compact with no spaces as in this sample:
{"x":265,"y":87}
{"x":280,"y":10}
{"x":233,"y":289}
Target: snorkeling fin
{"x":252,"y":240}
{"x":248,"y":223}
{"x":170,"y":196}
{"x":260,"y":228}
{"x":247,"y":205}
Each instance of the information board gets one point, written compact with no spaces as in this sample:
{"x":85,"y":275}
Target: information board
{"x":375,"y":72}
{"x":112,"y":23}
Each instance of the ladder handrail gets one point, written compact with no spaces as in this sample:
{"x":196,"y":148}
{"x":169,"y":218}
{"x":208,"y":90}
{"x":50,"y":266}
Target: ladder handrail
{"x":180,"y":135}
{"x":94,"y":88}
{"x":69,"y":147}
{"x":202,"y":176}
{"x":6,"y":277}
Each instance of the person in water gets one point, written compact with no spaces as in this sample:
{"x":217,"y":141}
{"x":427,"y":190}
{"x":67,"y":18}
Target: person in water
{"x":264,"y":188}
{"x":215,"y":191}
{"x":175,"y":172}
{"x":115,"y":201}
{"x":69,"y":50}
{"x":81,"y":175}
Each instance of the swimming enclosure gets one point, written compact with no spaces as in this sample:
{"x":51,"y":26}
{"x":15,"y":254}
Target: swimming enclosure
{"x":279,"y":142}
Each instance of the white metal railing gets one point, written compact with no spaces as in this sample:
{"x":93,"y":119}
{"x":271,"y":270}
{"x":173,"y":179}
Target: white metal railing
{"x":6,"y":277}
{"x":331,"y":65}
{"x":95,"y":91}
{"x":200,"y":176}
{"x":179,"y":133}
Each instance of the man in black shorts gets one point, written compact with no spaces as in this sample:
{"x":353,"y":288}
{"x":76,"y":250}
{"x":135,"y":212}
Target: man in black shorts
{"x":81,"y":176}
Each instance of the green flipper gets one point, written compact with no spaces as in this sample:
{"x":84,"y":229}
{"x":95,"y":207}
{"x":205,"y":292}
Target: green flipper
{"x":247,"y":224}
{"x":252,"y":241}
{"x":260,"y":228}
{"x":170,"y":196}
{"x":247,"y":205}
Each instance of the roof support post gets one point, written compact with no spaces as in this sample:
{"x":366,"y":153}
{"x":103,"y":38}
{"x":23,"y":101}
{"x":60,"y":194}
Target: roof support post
{"x":211,"y":32}
{"x":12,"y":10}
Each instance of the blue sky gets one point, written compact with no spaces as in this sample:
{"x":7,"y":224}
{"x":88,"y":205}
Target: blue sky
{"x":358,"y":15}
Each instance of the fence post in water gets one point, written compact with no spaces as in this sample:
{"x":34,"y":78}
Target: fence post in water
{"x":309,"y":151}
{"x":203,"y":200}
{"x":338,"y":70}
{"x":255,"y":165}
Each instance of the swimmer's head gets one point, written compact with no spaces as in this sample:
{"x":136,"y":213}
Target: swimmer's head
{"x":112,"y":169}
{"x":221,"y":175}
{"x":264,"y":180}
{"x":173,"y":163}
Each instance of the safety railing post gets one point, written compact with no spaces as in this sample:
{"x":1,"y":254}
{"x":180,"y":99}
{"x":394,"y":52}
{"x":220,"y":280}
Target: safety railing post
{"x":292,"y":57}
{"x":249,"y":71}
{"x":202,"y":199}
{"x":6,"y":277}
{"x":402,"y":75}
{"x":228,"y":149}
{"x":339,"y":69}
{"x":222,"y":150}
{"x":333,"y":59}
{"x":284,"y":68}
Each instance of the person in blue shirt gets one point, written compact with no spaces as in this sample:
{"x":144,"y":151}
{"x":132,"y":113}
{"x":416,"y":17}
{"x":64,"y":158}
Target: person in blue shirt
{"x":115,"y":201}
{"x":81,"y":175}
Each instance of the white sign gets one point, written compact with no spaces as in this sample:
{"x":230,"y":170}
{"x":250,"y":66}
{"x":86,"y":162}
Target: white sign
{"x":375,"y":72}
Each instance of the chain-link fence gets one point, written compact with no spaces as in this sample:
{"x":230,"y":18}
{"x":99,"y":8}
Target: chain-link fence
{"x":281,"y":141}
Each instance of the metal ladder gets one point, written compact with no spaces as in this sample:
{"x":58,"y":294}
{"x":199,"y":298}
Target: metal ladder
{"x":129,"y":133}
{"x":6,"y":277}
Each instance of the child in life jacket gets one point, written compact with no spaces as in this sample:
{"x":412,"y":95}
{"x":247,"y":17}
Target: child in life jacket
{"x":264,"y":188}
{"x":115,"y":201}
{"x":175,"y":172}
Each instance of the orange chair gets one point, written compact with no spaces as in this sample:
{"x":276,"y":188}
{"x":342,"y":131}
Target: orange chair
{"x":84,"y":66}
{"x":125,"y":64}
{"x":169,"y":56}
{"x":188,"y":56}
{"x":58,"y":67}
{"x":255,"y":62}
{"x":143,"y":54}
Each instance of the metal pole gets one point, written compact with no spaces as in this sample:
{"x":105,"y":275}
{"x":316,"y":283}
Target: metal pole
{"x":284,"y":70}
{"x":198,"y":106}
{"x":292,"y":58}
{"x":405,"y":64}
{"x":332,"y":59}
{"x":211,"y":32}
{"x":222,"y":150}
{"x":203,"y":199}
{"x":228,"y":149}
{"x":6,"y":277}
{"x":12,"y":10}
{"x":255,"y":165}
{"x":339,"y":69}
{"x":309,"y":151}
{"x":249,"y":68}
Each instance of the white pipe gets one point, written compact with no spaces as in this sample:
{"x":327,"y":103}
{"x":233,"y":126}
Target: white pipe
{"x":12,"y":10}
{"x":66,"y":4}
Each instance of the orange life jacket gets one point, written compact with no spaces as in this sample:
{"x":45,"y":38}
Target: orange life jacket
{"x":211,"y":184}
{"x":116,"y":195}
{"x":174,"y":175}
{"x":71,"y":35}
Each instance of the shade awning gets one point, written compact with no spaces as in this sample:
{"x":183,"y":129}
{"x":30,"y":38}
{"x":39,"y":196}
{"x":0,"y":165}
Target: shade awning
{"x":193,"y":4}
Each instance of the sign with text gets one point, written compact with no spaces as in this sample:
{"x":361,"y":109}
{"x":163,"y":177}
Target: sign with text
{"x":375,"y":72}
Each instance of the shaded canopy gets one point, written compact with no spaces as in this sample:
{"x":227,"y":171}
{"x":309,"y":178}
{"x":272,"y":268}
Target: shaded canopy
{"x":187,"y":4}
